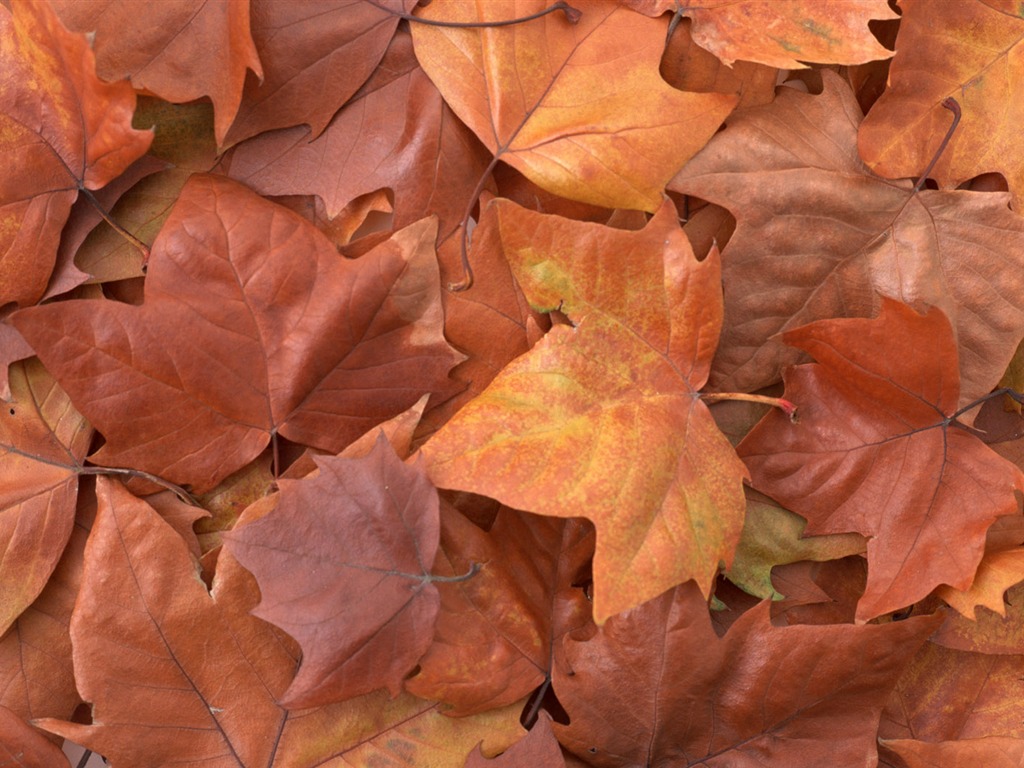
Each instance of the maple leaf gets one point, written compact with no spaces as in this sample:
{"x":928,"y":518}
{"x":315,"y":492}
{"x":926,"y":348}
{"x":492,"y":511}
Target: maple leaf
{"x":314,"y":57}
{"x":538,"y":748}
{"x":764,"y":695}
{"x":971,"y":51}
{"x":252,"y":326}
{"x":363,"y":534}
{"x":43,"y":441}
{"x":153,"y":650}
{"x":578,"y":108}
{"x":497,"y":632}
{"x":997,"y":572}
{"x":61,"y":130}
{"x":877,"y":451}
{"x":818,"y":236}
{"x":602,"y":420}
{"x":409,"y":142}
{"x":781,"y":34}
{"x":152,"y":48}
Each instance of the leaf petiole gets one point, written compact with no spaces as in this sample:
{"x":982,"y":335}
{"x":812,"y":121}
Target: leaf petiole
{"x":776,"y":402}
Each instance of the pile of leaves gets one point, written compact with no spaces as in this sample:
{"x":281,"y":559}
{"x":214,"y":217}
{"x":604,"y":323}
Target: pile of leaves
{"x":502,"y":384}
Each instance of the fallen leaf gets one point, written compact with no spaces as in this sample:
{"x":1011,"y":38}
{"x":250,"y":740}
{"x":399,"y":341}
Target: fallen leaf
{"x":43,"y":441}
{"x":22,"y":746}
{"x":602,"y":419}
{"x":656,"y":686}
{"x":819,"y":236}
{"x":538,"y":748}
{"x":62,"y":130}
{"x":781,"y":34}
{"x":992,"y":752}
{"x":578,"y":108}
{"x":153,"y":48}
{"x":997,"y":572}
{"x":325,"y":348}
{"x":969,"y":51}
{"x":343,"y":563}
{"x":314,"y":57}
{"x":876,"y":451}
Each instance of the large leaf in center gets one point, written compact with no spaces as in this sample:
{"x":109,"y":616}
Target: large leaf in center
{"x":603,"y":420}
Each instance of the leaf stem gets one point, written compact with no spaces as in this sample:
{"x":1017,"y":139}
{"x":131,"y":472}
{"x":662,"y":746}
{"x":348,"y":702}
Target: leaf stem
{"x":474,"y":569}
{"x":1019,"y":397}
{"x":572,"y":15}
{"x":467,"y":271}
{"x":177,"y":490}
{"x":953,"y":106}
{"x":776,"y":402}
{"x":143,"y":248}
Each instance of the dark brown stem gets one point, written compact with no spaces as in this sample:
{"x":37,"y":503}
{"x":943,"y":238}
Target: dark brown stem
{"x":536,"y":701}
{"x":143,"y":248}
{"x":951,"y":104}
{"x":177,"y":490}
{"x":1017,"y":396}
{"x":467,"y":271}
{"x":572,"y":15}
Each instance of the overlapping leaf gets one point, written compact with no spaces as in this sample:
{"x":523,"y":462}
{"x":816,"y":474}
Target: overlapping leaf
{"x":252,"y":325}
{"x":972,"y":51}
{"x":576,"y":106}
{"x":876,"y":451}
{"x":61,"y":129}
{"x":781,"y":34}
{"x":818,"y":236}
{"x":656,"y":686}
{"x":603,"y":420}
{"x":154,"y":649}
{"x":180,"y":51}
{"x":343,"y":564}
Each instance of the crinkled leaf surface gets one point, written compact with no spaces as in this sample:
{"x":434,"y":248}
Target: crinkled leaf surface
{"x":43,"y":441}
{"x":579,"y":108}
{"x":314,"y":55}
{"x":408,"y":140}
{"x":180,"y":51}
{"x":157,"y":655}
{"x":603,"y":420}
{"x":972,"y":51}
{"x":874,"y":451}
{"x":781,"y":34}
{"x":818,"y":236}
{"x":343,"y":563}
{"x":656,"y":686}
{"x":252,"y":325}
{"x":61,"y":129}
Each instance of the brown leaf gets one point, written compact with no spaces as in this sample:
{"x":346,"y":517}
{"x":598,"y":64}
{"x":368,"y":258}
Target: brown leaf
{"x":314,"y":57}
{"x":343,"y":563}
{"x":601,"y":419}
{"x":876,"y":451}
{"x":820,"y":236}
{"x":655,"y":686}
{"x":61,"y":130}
{"x":324,"y":349}
{"x":538,"y":748}
{"x":22,"y":746}
{"x":180,"y":51}
{"x":579,"y":109}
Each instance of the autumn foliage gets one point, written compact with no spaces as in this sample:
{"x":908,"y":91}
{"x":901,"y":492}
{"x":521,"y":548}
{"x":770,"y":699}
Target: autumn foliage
{"x":494,"y":384}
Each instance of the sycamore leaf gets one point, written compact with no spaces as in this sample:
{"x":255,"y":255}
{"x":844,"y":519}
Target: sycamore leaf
{"x":781,"y":33}
{"x":180,"y":51}
{"x":988,"y":632}
{"x":579,"y":108}
{"x":343,"y":563}
{"x":774,"y":536}
{"x":497,"y":632}
{"x":22,"y":746}
{"x":314,"y":57}
{"x":656,"y":686}
{"x":157,"y":655}
{"x":819,"y":236}
{"x":252,"y":325}
{"x":538,"y":748}
{"x":971,"y":51}
{"x":992,"y":752}
{"x":409,"y":142}
{"x":876,"y":451}
{"x":43,"y":441}
{"x":603,"y":419}
{"x":997,"y":572}
{"x":61,"y":130}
